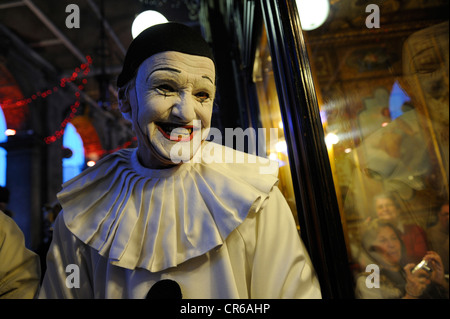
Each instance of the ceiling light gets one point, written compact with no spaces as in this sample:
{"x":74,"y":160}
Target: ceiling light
{"x":90,"y":163}
{"x":313,"y":13}
{"x":145,"y":20}
{"x":10,"y":132}
{"x":331,"y":139}
{"x":281,"y":147}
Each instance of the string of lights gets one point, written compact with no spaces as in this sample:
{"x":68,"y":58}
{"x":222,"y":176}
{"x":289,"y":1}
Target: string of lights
{"x":124,"y":145}
{"x":85,"y":68}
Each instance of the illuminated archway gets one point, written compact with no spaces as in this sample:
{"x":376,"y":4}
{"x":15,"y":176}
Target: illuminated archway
{"x":12,"y":115}
{"x":15,"y":114}
{"x":93,"y":149}
{"x":74,"y":164}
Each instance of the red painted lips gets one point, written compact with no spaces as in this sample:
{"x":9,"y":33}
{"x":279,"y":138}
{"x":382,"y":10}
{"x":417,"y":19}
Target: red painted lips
{"x":176,"y":132}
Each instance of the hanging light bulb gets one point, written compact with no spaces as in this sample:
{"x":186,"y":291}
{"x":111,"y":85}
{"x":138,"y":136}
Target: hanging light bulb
{"x":313,"y":13}
{"x":90,"y":163}
{"x":10,"y":132}
{"x":331,"y":139}
{"x":281,"y":147}
{"x":145,"y":20}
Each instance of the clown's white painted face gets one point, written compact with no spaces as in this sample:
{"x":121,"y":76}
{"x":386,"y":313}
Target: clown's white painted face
{"x":174,"y":92}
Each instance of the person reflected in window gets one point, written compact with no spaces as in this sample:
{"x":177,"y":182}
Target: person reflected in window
{"x":437,"y":235}
{"x":396,"y":279}
{"x":413,"y":236}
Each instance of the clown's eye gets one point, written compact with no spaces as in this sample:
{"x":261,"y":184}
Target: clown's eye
{"x":164,"y":89}
{"x":202,"y":96}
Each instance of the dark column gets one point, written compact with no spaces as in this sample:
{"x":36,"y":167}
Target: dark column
{"x":24,"y":180}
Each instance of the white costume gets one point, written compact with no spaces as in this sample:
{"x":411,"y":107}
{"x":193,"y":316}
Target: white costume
{"x":220,"y":230}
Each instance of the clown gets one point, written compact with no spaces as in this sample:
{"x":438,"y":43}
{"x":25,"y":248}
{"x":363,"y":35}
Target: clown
{"x":143,"y":216}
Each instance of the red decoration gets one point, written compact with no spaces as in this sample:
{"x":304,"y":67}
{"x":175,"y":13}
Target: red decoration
{"x":85,"y":67}
{"x":46,"y":93}
{"x":124,"y":145}
{"x":58,"y":134}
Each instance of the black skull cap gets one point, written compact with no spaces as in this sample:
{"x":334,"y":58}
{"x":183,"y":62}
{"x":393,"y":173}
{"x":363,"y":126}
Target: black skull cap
{"x":170,"y":36}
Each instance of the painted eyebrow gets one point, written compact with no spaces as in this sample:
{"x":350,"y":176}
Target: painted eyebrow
{"x":163,"y":69}
{"x":176,"y":71}
{"x":208,"y":78}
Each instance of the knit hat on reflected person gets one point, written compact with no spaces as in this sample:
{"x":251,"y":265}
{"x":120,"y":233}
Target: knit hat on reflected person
{"x":170,"y":36}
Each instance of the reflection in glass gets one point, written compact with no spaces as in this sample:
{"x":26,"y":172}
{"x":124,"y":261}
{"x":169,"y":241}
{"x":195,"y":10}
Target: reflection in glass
{"x":270,"y":117}
{"x":384,"y":95}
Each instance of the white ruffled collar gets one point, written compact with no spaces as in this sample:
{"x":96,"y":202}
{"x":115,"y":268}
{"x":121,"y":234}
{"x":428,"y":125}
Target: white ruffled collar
{"x":157,"y":219}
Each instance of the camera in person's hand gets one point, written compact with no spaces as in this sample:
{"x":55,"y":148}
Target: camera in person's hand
{"x":422,"y":265}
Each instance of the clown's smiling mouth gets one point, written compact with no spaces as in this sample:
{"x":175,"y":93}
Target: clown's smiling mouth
{"x":175,"y":132}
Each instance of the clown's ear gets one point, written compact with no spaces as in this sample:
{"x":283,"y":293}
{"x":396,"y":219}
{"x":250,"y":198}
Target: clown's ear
{"x":124,"y":99}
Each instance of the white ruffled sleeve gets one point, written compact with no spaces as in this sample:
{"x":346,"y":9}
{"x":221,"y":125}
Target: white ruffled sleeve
{"x":66,"y":250}
{"x":281,"y":265}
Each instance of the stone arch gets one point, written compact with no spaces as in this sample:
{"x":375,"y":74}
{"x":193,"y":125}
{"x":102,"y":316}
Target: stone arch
{"x":16,"y":114}
{"x":93,"y":149}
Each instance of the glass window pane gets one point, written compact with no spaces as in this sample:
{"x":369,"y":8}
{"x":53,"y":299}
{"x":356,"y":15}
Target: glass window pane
{"x":270,"y":118}
{"x":381,"y":77}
